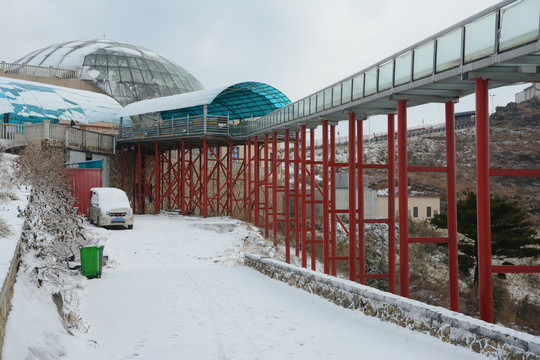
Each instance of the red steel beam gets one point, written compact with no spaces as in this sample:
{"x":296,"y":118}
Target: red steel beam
{"x":515,"y":172}
{"x":256,"y":183}
{"x":483,"y":201}
{"x":204,"y":179}
{"x":403,"y":200}
{"x":515,"y":269}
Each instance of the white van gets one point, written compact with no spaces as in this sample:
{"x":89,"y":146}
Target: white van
{"x":108,"y":207}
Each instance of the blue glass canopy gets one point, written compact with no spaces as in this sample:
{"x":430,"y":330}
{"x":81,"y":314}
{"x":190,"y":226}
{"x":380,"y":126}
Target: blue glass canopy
{"x":239,"y":101}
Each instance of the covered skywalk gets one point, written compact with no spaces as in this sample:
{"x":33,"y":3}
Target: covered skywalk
{"x":223,"y":111}
{"x":494,"y":48}
{"x":500,"y":44}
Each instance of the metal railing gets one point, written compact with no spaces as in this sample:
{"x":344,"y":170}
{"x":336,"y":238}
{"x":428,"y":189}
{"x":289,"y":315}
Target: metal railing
{"x":41,"y":71}
{"x":178,"y":127}
{"x":19,"y":135}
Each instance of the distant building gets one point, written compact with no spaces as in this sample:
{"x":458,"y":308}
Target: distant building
{"x":419,"y":207}
{"x":527,"y":94}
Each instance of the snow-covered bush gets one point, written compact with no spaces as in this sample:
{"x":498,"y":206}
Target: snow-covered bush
{"x":52,"y":232}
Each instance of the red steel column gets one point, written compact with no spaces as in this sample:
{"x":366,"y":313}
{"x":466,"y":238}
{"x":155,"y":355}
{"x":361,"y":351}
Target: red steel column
{"x":303,"y":196}
{"x":248,"y":193}
{"x":123,"y":188}
{"x":230,"y":174}
{"x":326,"y":204}
{"x":266,"y":197}
{"x":274,"y":187}
{"x":403,"y":200}
{"x":391,"y":205}
{"x":218,"y":182}
{"x":312,"y":197}
{"x":297,"y":193}
{"x":483,"y":201}
{"x":452,"y":206}
{"x":246,"y":179}
{"x":204,"y":180}
{"x":256,"y":182}
{"x":157,"y":179}
{"x":361,"y":215}
{"x":287,"y":212}
{"x":352,"y":198}
{"x":333,"y":238}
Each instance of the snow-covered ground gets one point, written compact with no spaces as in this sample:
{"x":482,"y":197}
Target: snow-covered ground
{"x":174,"y":288}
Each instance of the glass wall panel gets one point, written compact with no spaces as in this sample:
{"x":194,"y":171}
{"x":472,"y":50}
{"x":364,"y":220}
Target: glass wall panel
{"x":480,"y":38}
{"x":320,"y":101}
{"x":313,"y":104}
{"x":449,"y":51}
{"x":519,"y":24}
{"x":358,"y":87}
{"x":346,"y":91}
{"x":423,"y":61}
{"x":403,"y":69}
{"x":125,"y":75}
{"x":371,"y":82}
{"x":301,"y":109}
{"x":336,"y":95}
{"x":386,"y":74}
{"x":113,"y":60}
{"x":122,"y":61}
{"x":327,"y":99}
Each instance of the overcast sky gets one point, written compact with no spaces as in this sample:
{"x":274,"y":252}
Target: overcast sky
{"x":297,"y":46}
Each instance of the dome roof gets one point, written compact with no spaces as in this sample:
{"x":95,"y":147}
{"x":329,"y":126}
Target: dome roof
{"x":126,"y":72}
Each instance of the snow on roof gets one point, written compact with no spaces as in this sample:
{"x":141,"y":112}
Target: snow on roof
{"x":179,"y":101}
{"x":31,"y":99}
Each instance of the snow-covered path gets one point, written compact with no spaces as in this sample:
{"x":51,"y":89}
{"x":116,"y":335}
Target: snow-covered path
{"x":169,"y":295}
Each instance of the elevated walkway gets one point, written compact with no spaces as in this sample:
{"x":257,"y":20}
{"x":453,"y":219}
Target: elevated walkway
{"x":500,"y":43}
{"x":16,"y":135}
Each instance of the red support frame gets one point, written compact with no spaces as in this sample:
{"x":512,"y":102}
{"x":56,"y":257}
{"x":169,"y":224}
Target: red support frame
{"x":352,"y":197}
{"x":287,"y":201}
{"x":403,"y":200}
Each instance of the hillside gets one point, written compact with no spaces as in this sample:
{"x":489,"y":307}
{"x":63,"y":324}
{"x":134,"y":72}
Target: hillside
{"x":514,"y":143}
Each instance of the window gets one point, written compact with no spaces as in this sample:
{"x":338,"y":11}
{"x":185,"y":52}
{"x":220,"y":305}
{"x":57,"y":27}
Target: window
{"x":415,"y":211}
{"x":435,"y":212}
{"x":428,"y":212}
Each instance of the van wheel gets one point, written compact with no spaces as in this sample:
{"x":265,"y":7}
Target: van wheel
{"x":130,"y":227}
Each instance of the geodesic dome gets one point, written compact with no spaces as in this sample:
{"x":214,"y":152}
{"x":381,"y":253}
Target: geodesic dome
{"x":126,"y":72}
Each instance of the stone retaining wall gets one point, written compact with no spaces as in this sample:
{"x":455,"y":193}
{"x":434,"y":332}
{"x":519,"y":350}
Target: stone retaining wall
{"x":494,"y":341}
{"x":6,"y":294}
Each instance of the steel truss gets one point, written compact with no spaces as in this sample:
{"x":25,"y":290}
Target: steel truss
{"x":210,"y":180}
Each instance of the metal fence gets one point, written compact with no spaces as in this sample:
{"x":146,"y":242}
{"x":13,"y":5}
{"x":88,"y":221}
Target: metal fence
{"x":41,"y":71}
{"x":20,"y":135}
{"x":178,"y":127}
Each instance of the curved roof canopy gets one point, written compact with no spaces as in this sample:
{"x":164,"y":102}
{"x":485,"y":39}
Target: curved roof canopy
{"x":127,"y":72}
{"x":239,"y":101}
{"x":28,"y":101}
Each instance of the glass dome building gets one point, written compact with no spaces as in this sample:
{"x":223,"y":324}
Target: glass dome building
{"x":126,"y":72}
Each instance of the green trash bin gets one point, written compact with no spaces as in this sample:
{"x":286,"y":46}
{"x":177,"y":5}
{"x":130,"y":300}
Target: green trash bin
{"x":91,"y":261}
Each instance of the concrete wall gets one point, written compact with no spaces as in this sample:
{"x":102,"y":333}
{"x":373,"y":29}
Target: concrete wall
{"x":7,"y":294}
{"x":494,"y":341}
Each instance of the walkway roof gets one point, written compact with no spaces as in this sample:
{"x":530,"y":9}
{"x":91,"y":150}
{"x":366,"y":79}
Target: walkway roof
{"x":239,"y":101}
{"x":28,"y":101}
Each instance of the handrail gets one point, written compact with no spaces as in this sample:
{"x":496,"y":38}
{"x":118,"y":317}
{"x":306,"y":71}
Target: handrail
{"x":72,"y":137}
{"x":41,"y":71}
